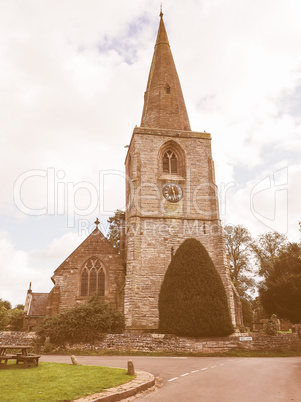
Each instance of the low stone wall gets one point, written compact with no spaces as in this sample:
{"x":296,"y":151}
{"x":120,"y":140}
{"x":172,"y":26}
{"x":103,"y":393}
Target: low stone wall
{"x":17,"y":338}
{"x":170,"y":343}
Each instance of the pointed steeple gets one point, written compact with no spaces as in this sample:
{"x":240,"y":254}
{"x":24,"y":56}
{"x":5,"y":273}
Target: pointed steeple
{"x":164,"y":105}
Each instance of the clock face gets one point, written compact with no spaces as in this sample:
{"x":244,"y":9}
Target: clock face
{"x":173,"y":192}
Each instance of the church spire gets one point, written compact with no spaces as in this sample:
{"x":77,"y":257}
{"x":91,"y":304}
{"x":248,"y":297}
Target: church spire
{"x":164,"y":105}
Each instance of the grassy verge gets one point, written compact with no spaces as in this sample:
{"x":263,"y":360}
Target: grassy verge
{"x":232,"y":353}
{"x":57,"y":381}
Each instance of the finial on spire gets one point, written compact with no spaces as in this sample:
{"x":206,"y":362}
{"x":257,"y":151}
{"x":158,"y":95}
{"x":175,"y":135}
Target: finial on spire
{"x":97,"y":222}
{"x":29,"y":285}
{"x":161,"y":13}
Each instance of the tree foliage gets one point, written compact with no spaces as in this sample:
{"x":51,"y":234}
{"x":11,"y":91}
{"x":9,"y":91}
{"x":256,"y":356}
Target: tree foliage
{"x":247,"y":312}
{"x":115,"y":227}
{"x":15,"y":319}
{"x":11,"y":318}
{"x":3,"y":315}
{"x":267,"y":248}
{"x":84,"y":323}
{"x":238,"y":244}
{"x":280,"y":293}
{"x":258,"y":310}
{"x":192,"y":300}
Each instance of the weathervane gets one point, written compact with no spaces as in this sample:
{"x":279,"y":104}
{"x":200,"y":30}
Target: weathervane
{"x":161,"y":13}
{"x":97,"y":222}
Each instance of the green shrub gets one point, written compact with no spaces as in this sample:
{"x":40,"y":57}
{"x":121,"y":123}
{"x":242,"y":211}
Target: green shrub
{"x":192,"y":300}
{"x":84,"y":323}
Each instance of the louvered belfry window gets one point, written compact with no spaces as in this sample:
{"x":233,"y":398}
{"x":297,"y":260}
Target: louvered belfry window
{"x":92,"y":278}
{"x":170,"y":163}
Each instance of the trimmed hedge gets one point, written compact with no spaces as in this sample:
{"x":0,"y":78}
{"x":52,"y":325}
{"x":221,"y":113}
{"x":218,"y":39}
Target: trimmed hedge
{"x":192,"y":300}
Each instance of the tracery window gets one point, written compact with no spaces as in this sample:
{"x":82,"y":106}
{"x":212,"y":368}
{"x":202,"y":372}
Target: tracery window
{"x":84,"y":283}
{"x":92,"y":278}
{"x":170,"y":163}
{"x":171,"y":160}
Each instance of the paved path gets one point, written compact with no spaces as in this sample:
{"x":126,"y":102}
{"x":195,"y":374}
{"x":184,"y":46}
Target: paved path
{"x":212,"y":379}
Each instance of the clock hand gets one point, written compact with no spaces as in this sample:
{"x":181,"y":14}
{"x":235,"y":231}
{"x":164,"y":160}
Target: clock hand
{"x":173,"y":190}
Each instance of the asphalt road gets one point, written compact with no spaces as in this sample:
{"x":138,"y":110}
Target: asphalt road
{"x":222,"y":379}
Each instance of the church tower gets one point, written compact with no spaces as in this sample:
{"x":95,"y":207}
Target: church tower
{"x":171,"y":194}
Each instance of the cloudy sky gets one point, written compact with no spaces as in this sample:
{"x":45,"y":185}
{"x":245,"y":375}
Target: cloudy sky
{"x":72,"y":78}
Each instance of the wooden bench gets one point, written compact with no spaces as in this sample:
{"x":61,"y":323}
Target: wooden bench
{"x":5,"y":358}
{"x":28,"y":360}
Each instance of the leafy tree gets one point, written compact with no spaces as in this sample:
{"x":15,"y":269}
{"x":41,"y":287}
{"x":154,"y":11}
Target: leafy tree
{"x":192,"y":300}
{"x":84,"y":323}
{"x":3,"y":315}
{"x":238,"y":241}
{"x":280,"y":293}
{"x":258,"y":310}
{"x":247,"y":312}
{"x":11,"y":318}
{"x":6,"y":304}
{"x":115,"y":227}
{"x":15,"y":319}
{"x":267,"y":248}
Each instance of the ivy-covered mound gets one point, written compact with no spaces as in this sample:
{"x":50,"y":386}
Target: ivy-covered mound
{"x":84,"y":323}
{"x":192,"y":299}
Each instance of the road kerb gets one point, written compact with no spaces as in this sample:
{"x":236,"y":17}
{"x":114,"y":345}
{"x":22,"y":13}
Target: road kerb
{"x":142,"y":382}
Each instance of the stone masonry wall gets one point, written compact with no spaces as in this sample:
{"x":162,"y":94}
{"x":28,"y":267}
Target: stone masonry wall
{"x":171,"y":343}
{"x":17,"y":338}
{"x":155,"y":226}
{"x":67,"y":275}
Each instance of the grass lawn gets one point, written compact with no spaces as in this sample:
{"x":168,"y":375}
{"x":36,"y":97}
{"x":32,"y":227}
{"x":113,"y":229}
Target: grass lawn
{"x":57,"y":381}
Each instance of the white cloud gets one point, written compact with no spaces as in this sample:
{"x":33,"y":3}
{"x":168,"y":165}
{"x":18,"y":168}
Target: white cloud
{"x":72,"y":78}
{"x":60,"y":248}
{"x":16,"y":272}
{"x":19,"y":267}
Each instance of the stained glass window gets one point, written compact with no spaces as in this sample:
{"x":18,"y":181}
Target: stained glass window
{"x":92,"y":278}
{"x":101,"y":283}
{"x":84,"y":283}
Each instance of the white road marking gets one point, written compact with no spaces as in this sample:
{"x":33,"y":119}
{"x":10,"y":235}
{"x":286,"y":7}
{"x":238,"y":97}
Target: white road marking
{"x":167,"y":357}
{"x":194,"y":371}
{"x":172,"y":379}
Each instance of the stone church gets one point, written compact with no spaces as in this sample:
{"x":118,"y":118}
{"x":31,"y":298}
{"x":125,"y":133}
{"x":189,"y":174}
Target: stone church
{"x":171,"y":195}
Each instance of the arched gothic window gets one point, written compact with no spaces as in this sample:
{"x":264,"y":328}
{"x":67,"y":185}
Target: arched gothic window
{"x":171,"y":160}
{"x":84,"y":283}
{"x":101,"y":283}
{"x":170,"y":163}
{"x":92,"y":278}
